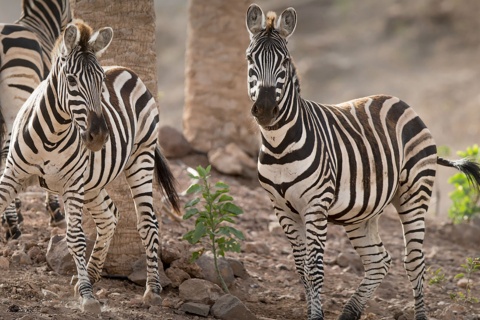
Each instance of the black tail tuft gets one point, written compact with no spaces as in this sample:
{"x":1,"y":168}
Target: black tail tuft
{"x":470,"y":168}
{"x":166,"y":179}
{"x":3,"y":133}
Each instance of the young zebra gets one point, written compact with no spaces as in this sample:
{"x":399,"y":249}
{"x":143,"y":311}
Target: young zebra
{"x":341,"y":164}
{"x":25,"y":60}
{"x":80,"y":129}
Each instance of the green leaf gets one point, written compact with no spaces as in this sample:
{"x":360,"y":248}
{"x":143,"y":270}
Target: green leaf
{"x":202,"y":171}
{"x":222,"y":185}
{"x":193,"y":176}
{"x":198,"y":233}
{"x":192,"y":203}
{"x":194,"y":188}
{"x":190,"y":213}
{"x":225,"y":198}
{"x":196,"y":254}
{"x":459,"y":276}
{"x":232,"y":208}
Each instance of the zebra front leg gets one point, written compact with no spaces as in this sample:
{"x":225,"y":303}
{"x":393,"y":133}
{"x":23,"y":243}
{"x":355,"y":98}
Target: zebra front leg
{"x":140,"y":184}
{"x":105,"y":214}
{"x":76,"y":244}
{"x":376,"y":262}
{"x":315,"y":235}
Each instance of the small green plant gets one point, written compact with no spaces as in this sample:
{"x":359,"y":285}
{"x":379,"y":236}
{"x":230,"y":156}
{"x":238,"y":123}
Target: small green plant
{"x":437,"y":277}
{"x":213,"y":211}
{"x":472,"y":266}
{"x":465,"y":199}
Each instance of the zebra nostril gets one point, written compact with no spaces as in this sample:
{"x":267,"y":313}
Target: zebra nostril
{"x":255,"y":110}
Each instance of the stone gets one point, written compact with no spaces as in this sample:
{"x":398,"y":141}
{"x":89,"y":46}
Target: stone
{"x":200,"y":291}
{"x":349,"y":259}
{"x":171,"y":251}
{"x":4,"y":263}
{"x":238,"y":268}
{"x":20,"y":257}
{"x":207,"y":264}
{"x":191,"y":268}
{"x":196,"y":308}
{"x":173,"y":143}
{"x":257,"y":247}
{"x":177,"y":276}
{"x":233,"y":161}
{"x":59,"y":259}
{"x":229,"y":307}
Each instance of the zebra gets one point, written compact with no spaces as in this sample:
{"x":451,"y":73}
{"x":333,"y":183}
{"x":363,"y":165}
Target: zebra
{"x":80,"y":129}
{"x":341,"y":164}
{"x":25,"y":60}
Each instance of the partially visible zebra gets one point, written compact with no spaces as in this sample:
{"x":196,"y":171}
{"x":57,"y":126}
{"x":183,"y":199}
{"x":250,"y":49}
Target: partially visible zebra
{"x":79,"y":130}
{"x":339,"y":163}
{"x":25,"y":60}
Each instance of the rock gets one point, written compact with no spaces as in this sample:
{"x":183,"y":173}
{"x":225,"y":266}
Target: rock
{"x":229,"y":307}
{"x":463,"y":282}
{"x":171,"y":251}
{"x":257,"y":247}
{"x":177,"y":276}
{"x":238,"y":268}
{"x":206,"y":263}
{"x":173,"y":143}
{"x":199,"y":290}
{"x":196,"y":308}
{"x":4,"y":263}
{"x":233,"y":161}
{"x":464,"y":234}
{"x":59,"y":259}
{"x":139,"y":271}
{"x":349,"y":259}
{"x":36,"y":254}
{"x":191,"y":268}
{"x":20,"y":257}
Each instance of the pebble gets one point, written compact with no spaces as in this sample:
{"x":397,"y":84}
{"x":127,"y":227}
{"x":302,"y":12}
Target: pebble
{"x":4,"y":263}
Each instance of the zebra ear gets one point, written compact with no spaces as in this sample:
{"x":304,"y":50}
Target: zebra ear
{"x":71,"y":36}
{"x":255,"y":20}
{"x":100,"y":40}
{"x":287,"y":22}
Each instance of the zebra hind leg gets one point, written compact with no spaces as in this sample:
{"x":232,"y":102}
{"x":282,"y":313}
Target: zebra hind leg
{"x":376,"y":262}
{"x":147,"y":225}
{"x":11,"y":221}
{"x":57,"y":218}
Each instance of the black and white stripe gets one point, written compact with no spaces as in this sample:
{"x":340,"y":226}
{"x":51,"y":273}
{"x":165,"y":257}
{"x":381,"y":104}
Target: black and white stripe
{"x":341,"y":164}
{"x":80,"y":129}
{"x":25,"y":60}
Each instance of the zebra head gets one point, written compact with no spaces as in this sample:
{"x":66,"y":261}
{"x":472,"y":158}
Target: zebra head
{"x":268,"y":60}
{"x":81,"y":80}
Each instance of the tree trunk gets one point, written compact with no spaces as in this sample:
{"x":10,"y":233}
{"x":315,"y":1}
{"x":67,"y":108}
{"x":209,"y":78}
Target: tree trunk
{"x":216,"y":104}
{"x":133,"y":46}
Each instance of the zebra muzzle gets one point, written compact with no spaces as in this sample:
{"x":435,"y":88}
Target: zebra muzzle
{"x":97,"y":133}
{"x":265,"y":109}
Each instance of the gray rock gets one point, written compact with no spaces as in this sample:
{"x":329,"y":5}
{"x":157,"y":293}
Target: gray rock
{"x":229,"y":307}
{"x":177,"y":276}
{"x":238,"y":268}
{"x":349,"y":259}
{"x":59,"y":259}
{"x":173,"y":143}
{"x":232,"y":160}
{"x":206,"y":263}
{"x":4,"y":263}
{"x":200,"y":291}
{"x":257,"y":247}
{"x":196,"y":308}
{"x":139,"y":273}
{"x":20,"y":257}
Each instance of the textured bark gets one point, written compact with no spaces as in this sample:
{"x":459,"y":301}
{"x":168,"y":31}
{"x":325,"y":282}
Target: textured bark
{"x":133,"y":46}
{"x":217,"y":108}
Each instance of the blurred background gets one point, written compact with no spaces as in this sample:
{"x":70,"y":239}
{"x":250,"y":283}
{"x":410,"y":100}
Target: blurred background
{"x":425,"y":52}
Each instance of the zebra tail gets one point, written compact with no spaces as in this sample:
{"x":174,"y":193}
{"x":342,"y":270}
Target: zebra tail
{"x":470,"y":168}
{"x":166,"y":180}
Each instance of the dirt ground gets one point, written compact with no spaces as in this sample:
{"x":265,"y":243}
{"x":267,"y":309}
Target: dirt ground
{"x":272,"y":291}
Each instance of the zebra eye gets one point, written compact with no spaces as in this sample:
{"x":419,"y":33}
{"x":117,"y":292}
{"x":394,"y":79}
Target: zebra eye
{"x":249,"y":59}
{"x":285,"y":62}
{"x":71,"y":80}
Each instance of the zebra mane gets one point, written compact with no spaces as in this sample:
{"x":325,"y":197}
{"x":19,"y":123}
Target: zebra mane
{"x":270,"y":21}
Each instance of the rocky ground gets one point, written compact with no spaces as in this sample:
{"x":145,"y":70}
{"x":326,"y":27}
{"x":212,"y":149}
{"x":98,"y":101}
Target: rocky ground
{"x":29,"y":289}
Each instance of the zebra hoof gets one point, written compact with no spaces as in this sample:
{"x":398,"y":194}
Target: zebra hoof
{"x":12,"y":234}
{"x":91,"y":306}
{"x":152,"y":299}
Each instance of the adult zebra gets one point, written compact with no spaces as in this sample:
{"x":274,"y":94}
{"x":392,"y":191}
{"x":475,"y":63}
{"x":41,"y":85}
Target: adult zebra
{"x":80,"y":129}
{"x":25,"y":60}
{"x":339,"y":163}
